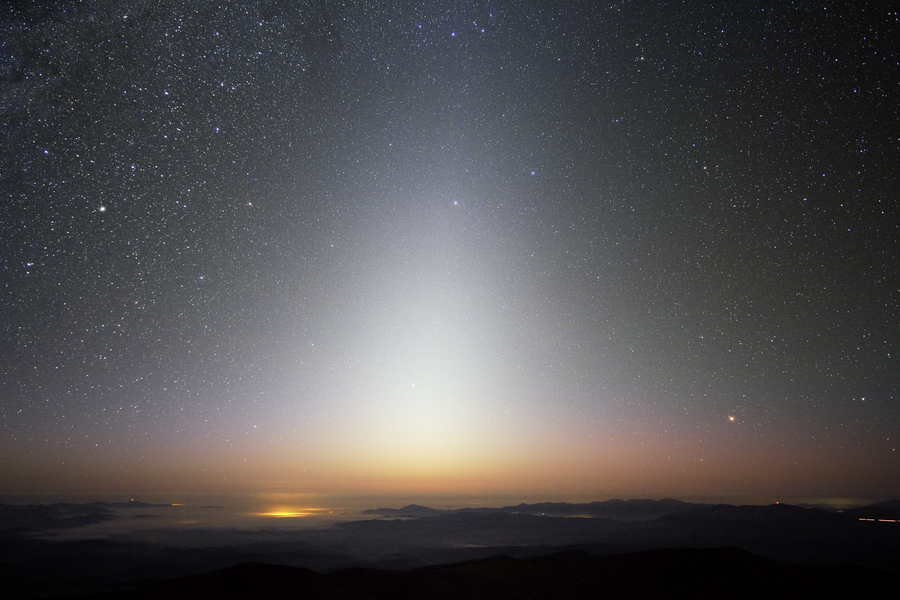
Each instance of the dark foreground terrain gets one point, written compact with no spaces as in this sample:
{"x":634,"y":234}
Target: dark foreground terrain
{"x":710,"y":573}
{"x":614,"y":549}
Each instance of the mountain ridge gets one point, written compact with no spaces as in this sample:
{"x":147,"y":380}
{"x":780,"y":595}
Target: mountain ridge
{"x":572,"y":575}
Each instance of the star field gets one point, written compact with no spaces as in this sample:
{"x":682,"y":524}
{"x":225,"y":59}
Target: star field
{"x":625,"y":248}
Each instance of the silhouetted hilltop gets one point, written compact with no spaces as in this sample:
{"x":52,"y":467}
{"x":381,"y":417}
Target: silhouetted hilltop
{"x":707,"y":573}
{"x":410,"y":510}
{"x":623,"y":510}
{"x":889,"y":510}
{"x":32,"y":565}
{"x":642,"y":510}
{"x":62,"y":515}
{"x":779,"y":531}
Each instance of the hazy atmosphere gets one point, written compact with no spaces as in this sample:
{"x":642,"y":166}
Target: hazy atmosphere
{"x":512,"y":251}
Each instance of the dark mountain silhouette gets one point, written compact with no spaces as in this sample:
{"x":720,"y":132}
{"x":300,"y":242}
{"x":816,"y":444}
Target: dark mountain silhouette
{"x":622,"y":510}
{"x":32,"y":564}
{"x":410,"y":510}
{"x":62,"y":515}
{"x":889,"y":510}
{"x":709,"y":573}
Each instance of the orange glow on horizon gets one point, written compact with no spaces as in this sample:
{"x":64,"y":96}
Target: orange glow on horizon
{"x":286,"y":512}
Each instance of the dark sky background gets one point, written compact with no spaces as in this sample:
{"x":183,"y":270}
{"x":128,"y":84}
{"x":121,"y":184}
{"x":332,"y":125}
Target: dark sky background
{"x":623,"y":248}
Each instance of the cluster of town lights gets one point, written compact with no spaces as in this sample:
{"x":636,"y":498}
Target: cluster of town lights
{"x":289,"y":512}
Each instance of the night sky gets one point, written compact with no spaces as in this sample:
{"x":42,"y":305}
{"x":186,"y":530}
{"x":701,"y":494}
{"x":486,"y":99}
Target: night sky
{"x":639,"y":248}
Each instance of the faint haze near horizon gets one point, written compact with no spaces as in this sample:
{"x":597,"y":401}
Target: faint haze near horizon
{"x":351,"y":506}
{"x":200,"y":519}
